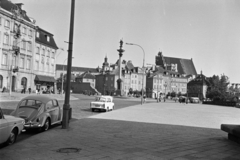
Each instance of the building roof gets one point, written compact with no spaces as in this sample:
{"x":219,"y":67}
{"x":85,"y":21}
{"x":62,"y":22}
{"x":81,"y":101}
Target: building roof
{"x":76,"y":69}
{"x":200,"y":79}
{"x":9,"y":6}
{"x":129,"y":65}
{"x":87,"y":75}
{"x":43,"y":38}
{"x":185,"y":66}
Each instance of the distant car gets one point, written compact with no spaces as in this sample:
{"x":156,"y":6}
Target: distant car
{"x":183,"y":99}
{"x":39,"y":112}
{"x":175,"y":99}
{"x":194,"y":100}
{"x":102,"y":103}
{"x":10,"y":128}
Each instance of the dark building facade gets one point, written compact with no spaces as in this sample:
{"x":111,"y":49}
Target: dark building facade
{"x":198,"y":87}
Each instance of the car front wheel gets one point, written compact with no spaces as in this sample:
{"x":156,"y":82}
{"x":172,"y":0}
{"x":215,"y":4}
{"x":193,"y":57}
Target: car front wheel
{"x":46,"y":125}
{"x":12,"y":137}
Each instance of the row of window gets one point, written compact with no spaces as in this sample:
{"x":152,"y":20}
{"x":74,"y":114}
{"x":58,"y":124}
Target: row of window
{"x":179,"y":80}
{"x":22,"y":61}
{"x":43,"y":52}
{"x":25,"y":31}
{"x":44,"y":67}
{"x":24,"y":44}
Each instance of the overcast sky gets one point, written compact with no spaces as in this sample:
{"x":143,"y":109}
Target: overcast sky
{"x":205,"y":30}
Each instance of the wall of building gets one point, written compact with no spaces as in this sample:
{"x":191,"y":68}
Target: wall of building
{"x":22,"y":60}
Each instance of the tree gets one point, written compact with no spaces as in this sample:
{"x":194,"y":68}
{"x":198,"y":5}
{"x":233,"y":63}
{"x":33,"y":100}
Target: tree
{"x":179,"y":94}
{"x":218,"y":87}
{"x":173,"y":94}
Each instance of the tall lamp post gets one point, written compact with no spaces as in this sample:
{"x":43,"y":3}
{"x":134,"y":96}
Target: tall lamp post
{"x":66,"y":105}
{"x":143,"y":67}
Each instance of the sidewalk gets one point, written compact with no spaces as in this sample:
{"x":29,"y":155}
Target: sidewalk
{"x":144,"y":132}
{"x":15,"y":96}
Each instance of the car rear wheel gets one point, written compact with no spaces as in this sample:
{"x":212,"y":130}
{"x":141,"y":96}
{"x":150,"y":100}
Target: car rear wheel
{"x":46,"y":125}
{"x":92,"y":109}
{"x":12,"y":137}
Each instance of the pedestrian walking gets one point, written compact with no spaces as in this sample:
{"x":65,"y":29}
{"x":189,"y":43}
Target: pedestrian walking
{"x":3,"y":90}
{"x":144,"y":98}
{"x":29,"y":90}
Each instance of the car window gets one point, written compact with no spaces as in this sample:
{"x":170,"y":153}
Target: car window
{"x":109,"y":100}
{"x":49,"y":105}
{"x":55,"y":103}
{"x":101,"y":99}
{"x":23,"y":103}
{"x":30,"y":102}
{"x":33,"y":103}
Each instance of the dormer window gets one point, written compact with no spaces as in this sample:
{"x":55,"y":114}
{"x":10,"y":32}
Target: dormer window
{"x":47,"y":37}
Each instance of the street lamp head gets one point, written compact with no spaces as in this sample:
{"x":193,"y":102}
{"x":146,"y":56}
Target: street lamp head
{"x":129,"y":43}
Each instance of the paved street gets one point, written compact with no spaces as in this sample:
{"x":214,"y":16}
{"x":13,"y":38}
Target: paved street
{"x":80,"y":104}
{"x":150,"y":131}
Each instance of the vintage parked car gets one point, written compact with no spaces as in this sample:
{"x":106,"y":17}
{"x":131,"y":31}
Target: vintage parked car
{"x":194,"y":100}
{"x":39,"y":112}
{"x":10,"y":128}
{"x":102,"y":103}
{"x":183,"y":99}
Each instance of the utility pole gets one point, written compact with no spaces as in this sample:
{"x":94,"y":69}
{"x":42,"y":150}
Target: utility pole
{"x":66,"y":106}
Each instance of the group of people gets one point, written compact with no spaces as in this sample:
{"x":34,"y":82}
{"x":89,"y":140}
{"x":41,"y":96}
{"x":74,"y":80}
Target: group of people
{"x":161,"y":98}
{"x":24,"y":90}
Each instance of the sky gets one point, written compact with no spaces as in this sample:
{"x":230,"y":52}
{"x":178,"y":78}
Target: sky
{"x":205,"y":30}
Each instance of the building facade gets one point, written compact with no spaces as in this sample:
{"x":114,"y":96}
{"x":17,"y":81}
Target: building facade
{"x":133,"y":78}
{"x":44,"y":60}
{"x":86,"y":77}
{"x":17,"y":38}
{"x":161,"y":81}
{"x":27,"y":53}
{"x":198,"y":87}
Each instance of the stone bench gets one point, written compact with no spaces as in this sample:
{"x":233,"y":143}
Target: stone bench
{"x":233,"y":131}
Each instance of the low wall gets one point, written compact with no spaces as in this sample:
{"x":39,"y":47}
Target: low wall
{"x":220,"y":103}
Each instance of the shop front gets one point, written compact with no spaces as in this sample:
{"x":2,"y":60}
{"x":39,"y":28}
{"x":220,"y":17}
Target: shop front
{"x":44,"y":84}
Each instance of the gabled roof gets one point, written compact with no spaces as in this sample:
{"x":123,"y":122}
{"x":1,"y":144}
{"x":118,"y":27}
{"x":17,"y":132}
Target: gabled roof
{"x":8,"y":5}
{"x":129,"y":65}
{"x":184,"y":66}
{"x":87,"y":75}
{"x":76,"y":69}
{"x":43,"y":38}
{"x":200,"y":79}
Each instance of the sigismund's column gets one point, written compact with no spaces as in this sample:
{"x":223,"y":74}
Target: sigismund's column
{"x":119,"y":81}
